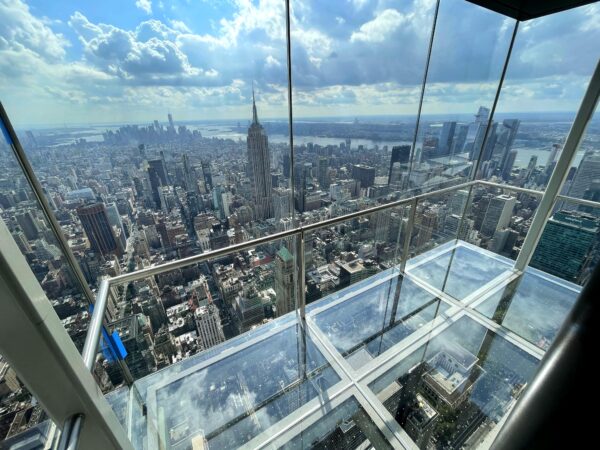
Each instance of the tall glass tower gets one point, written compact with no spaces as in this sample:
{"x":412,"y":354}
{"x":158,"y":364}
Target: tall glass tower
{"x":260,"y":166}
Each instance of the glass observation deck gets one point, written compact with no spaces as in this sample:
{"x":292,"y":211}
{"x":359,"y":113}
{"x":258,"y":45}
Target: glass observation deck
{"x":290,"y":223}
{"x":437,"y":355}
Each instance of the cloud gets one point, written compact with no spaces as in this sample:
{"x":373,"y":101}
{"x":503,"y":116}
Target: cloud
{"x":378,"y":29}
{"x":21,"y":31}
{"x":353,"y":57}
{"x":144,"y":5}
{"x":179,"y":26}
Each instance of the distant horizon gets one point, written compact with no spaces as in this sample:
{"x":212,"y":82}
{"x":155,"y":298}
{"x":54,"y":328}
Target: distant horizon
{"x":307,"y":119}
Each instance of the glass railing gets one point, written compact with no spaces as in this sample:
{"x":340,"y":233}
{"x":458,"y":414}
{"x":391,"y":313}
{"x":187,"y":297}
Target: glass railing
{"x":377,"y":190}
{"x":442,"y":337}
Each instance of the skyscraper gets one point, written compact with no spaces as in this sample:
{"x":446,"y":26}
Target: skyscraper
{"x":209,"y":326}
{"x":566,"y":245}
{"x":476,"y":132}
{"x":284,"y":281}
{"x":323,"y":172}
{"x":498,"y":214}
{"x":400,"y":154}
{"x":260,"y":166}
{"x":506,"y":137}
{"x":508,"y":164}
{"x":365,"y":174}
{"x":445,"y":139}
{"x":587,"y":172}
{"x":96,"y":225}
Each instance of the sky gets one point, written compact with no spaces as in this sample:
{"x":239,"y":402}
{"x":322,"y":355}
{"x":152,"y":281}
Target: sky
{"x":65,"y":62}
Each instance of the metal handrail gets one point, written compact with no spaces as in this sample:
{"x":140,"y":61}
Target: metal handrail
{"x":94,"y":330}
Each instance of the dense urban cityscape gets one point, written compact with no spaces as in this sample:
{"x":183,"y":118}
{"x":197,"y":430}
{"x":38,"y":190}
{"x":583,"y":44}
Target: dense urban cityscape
{"x":137,"y":196}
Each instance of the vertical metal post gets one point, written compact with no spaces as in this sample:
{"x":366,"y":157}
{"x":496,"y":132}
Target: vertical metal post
{"x":301,"y":271}
{"x":38,"y":191}
{"x":424,"y":84}
{"x":301,"y":306}
{"x":407,"y":237}
{"x":495,"y":103}
{"x":464,"y":212}
{"x":561,"y":170}
{"x":288,"y":36}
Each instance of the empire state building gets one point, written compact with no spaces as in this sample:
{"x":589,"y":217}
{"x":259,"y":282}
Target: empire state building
{"x":260,"y":166}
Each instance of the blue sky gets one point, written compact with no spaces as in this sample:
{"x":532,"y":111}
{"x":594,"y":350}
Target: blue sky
{"x":134,"y":60}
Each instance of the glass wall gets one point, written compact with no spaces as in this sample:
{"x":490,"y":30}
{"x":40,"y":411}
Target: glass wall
{"x":162,"y":132}
{"x":468,"y":53}
{"x":357,"y":71}
{"x":551,"y":63}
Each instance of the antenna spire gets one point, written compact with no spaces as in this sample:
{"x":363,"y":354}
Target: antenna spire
{"x":254,"y":114}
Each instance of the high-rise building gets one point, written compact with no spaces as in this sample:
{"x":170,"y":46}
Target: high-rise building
{"x":587,"y":172}
{"x":208,"y":324}
{"x":323,"y":172}
{"x":28,"y":225}
{"x":282,"y":198}
{"x":365,"y":174}
{"x":96,"y":225}
{"x":401,"y":155}
{"x":458,"y":202}
{"x":260,"y":166}
{"x":446,"y":137}
{"x":476,"y":133}
{"x":161,"y":170}
{"x":508,"y":164}
{"x":171,"y":124}
{"x":506,"y":135}
{"x":207,"y":174}
{"x":498,"y":214}
{"x":566,"y":245}
{"x":287,"y":165}
{"x":284,"y":281}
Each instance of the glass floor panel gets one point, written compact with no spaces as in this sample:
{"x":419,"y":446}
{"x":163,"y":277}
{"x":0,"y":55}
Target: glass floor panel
{"x":533,"y":306}
{"x":228,"y":402}
{"x":361,"y":327}
{"x":455,"y":388}
{"x":348,"y":426}
{"x":459,"y":271}
{"x":446,"y":378}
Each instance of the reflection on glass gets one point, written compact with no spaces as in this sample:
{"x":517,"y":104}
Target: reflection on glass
{"x":458,"y":95}
{"x":498,"y":219}
{"x":339,"y":256}
{"x":235,"y":398}
{"x":532,"y":306}
{"x":368,"y":323}
{"x":526,"y":137}
{"x":348,"y":426}
{"x":454,"y":389}
{"x":23,"y":421}
{"x":353,"y":126}
{"x":460,"y":271}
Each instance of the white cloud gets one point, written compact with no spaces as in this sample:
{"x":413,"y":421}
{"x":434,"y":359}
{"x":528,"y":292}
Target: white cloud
{"x":270,"y":61}
{"x":359,"y":4}
{"x":144,"y":5}
{"x":179,"y":26}
{"x":20,"y":30}
{"x":378,"y":29}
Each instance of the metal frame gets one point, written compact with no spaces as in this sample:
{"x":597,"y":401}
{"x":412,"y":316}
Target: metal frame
{"x":299,"y":232}
{"x":561,"y":170}
{"x":38,"y":192}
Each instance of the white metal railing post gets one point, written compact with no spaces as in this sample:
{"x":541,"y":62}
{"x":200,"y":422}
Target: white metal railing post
{"x":561,"y":170}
